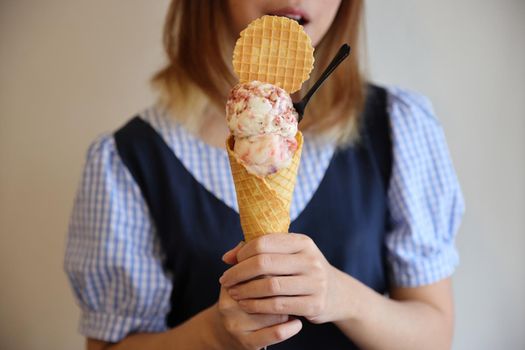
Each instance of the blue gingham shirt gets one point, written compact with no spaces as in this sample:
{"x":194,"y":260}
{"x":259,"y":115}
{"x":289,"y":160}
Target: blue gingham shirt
{"x":113,"y":255}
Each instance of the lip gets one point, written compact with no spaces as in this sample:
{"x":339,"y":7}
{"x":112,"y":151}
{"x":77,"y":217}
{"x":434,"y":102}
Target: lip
{"x":292,"y":12}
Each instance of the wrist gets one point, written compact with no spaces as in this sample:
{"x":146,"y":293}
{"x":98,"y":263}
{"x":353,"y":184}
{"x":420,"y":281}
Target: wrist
{"x":348,"y":302}
{"x":218,"y":337}
{"x":202,"y":331}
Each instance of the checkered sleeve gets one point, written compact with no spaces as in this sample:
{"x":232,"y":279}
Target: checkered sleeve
{"x":424,"y":197}
{"x":112,"y":255}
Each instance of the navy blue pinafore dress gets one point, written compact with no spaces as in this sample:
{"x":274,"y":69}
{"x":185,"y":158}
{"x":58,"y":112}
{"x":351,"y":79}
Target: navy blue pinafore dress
{"x":347,"y":218}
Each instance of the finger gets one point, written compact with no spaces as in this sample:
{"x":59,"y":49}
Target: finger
{"x":272,"y":286}
{"x":307,"y":306}
{"x":254,"y":322}
{"x":230,"y":257}
{"x":274,"y":243}
{"x":265,"y":264}
{"x":275,"y":334}
{"x":237,"y":320}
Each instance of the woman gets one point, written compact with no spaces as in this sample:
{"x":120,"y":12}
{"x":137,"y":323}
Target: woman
{"x":375,"y":210}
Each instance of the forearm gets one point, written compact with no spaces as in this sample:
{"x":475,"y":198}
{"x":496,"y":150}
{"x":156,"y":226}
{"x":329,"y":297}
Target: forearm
{"x":376,"y":322}
{"x":199,"y":332}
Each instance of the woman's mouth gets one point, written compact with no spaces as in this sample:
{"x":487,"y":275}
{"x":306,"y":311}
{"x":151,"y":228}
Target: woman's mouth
{"x":293,"y":13}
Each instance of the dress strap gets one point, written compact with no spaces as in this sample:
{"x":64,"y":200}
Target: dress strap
{"x":377,"y":130}
{"x":151,"y":163}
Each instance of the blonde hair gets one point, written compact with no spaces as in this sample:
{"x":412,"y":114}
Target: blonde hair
{"x":198,"y":75}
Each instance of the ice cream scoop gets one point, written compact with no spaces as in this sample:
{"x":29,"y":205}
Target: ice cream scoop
{"x":265,"y":154}
{"x":257,"y":108}
{"x":263,"y":122}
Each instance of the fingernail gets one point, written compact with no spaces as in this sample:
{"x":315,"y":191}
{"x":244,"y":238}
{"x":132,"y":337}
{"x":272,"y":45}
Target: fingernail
{"x":233,"y":293}
{"x":221,"y":279}
{"x":229,"y":251}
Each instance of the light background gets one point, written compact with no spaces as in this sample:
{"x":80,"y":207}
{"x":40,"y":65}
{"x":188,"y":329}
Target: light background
{"x":70,"y":70}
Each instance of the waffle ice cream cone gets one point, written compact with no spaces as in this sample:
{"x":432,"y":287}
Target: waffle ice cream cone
{"x":264,"y":202}
{"x":274,"y":50}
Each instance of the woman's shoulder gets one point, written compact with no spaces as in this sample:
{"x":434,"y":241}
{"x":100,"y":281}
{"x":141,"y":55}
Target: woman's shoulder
{"x":409,"y":106}
{"x":104,"y":143}
{"x":101,"y":148}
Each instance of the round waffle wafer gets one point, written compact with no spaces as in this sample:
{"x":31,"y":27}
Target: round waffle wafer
{"x":274,"y":50}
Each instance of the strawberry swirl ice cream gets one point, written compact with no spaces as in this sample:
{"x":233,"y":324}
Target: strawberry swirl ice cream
{"x":263,"y":121}
{"x":257,"y":108}
{"x":265,"y":154}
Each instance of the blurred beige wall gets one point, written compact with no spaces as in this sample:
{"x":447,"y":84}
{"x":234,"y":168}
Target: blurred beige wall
{"x":70,"y":70}
{"x":468,"y":56}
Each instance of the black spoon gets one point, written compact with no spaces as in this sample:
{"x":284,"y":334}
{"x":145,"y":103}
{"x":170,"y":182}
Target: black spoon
{"x":343,"y":53}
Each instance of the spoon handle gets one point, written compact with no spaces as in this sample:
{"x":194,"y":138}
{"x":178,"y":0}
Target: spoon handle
{"x":343,"y":53}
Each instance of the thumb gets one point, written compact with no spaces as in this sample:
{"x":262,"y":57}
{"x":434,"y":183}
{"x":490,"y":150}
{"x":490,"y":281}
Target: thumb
{"x":230,"y":257}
